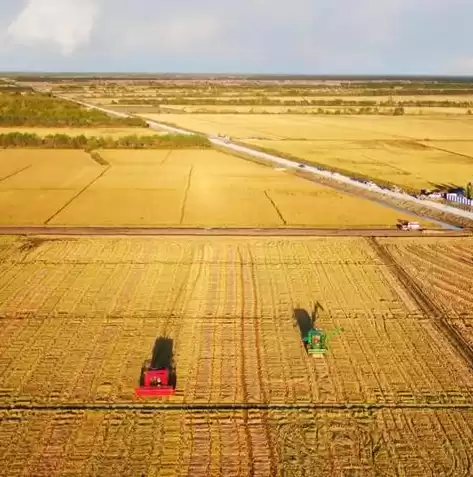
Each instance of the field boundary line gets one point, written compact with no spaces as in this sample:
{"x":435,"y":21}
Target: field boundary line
{"x":424,"y":302}
{"x":69,"y":202}
{"x":186,"y":193}
{"x":66,"y":231}
{"x":436,"y":148}
{"x":276,"y":208}
{"x":134,"y":406}
{"x":166,"y":158}
{"x":19,"y":171}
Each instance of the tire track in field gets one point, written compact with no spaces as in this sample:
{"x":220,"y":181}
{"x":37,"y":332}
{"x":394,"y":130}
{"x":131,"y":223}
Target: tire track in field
{"x":69,"y":202}
{"x":168,"y":155}
{"x":186,"y":193}
{"x":457,"y":341}
{"x":259,"y":346}
{"x":19,"y":171}
{"x":249,"y":443}
{"x":276,"y":208}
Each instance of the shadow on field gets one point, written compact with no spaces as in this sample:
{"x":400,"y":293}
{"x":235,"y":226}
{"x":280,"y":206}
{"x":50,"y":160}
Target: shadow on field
{"x":162,"y":353}
{"x":447,"y":187}
{"x":305,"y":320}
{"x":163,"y":357}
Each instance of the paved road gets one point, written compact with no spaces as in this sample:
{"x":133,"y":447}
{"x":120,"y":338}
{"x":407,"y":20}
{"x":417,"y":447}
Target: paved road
{"x":222,"y":231}
{"x":289,"y":164}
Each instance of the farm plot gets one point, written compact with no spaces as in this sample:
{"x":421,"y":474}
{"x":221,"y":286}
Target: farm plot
{"x":443,"y":269}
{"x":413,"y":152}
{"x":235,"y":443}
{"x":80,"y":316}
{"x":463,"y":147}
{"x":264,"y":126}
{"x":350,"y":128}
{"x":40,"y":183}
{"x":402,"y":162}
{"x":421,"y":129}
{"x":210,"y":188}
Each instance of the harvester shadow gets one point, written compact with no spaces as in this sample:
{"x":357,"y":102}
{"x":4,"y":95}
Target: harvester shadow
{"x":163,"y":357}
{"x":305,"y":320}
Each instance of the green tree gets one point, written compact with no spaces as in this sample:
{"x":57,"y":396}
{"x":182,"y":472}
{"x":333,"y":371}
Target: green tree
{"x":469,"y":191}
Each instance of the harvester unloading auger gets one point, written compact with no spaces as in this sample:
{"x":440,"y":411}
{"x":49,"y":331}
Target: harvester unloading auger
{"x":316,"y":341}
{"x":158,"y":376}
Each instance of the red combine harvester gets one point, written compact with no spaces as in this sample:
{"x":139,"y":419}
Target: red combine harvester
{"x":158,"y":377}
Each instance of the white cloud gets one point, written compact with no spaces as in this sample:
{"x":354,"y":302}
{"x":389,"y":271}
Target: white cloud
{"x":63,"y":24}
{"x":305,"y":36}
{"x":173,"y":33}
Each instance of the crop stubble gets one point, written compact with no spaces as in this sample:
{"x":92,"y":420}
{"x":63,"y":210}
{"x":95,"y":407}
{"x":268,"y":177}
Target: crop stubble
{"x":175,"y":443}
{"x":443,"y":270}
{"x":86,"y":312}
{"x":78,"y":317}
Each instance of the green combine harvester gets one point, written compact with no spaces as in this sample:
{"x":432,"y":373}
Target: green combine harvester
{"x":317,"y":341}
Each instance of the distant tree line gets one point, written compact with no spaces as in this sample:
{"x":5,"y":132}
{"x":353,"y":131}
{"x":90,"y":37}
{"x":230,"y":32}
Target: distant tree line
{"x":9,"y":88}
{"x":397,"y":111}
{"x":217,"y":89}
{"x":34,"y":109}
{"x":64,"y":141}
{"x":264,"y":101}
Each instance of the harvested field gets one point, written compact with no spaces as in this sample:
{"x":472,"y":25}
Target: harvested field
{"x":196,"y":188}
{"x":109,"y":299}
{"x":78,"y":316}
{"x":443,"y":270}
{"x":258,"y":443}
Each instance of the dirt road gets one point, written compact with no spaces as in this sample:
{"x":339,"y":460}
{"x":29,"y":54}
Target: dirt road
{"x":222,"y":231}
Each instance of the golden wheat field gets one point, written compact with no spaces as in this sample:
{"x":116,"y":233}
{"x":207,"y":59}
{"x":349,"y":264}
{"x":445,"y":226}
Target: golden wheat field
{"x":300,"y":127}
{"x":78,"y":317}
{"x":170,"y":188}
{"x":402,"y":162}
{"x":36,"y":184}
{"x":411,"y":152}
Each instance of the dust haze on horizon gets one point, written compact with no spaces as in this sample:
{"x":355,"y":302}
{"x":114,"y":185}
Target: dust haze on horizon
{"x":391,"y":37}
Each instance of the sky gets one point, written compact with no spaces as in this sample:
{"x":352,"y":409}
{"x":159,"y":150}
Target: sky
{"x":391,"y":37}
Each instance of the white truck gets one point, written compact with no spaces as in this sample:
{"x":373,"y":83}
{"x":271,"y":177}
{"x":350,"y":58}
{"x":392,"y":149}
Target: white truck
{"x":408,"y":226}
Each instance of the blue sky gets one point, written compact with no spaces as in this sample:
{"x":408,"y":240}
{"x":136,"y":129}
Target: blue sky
{"x":240,"y":36}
